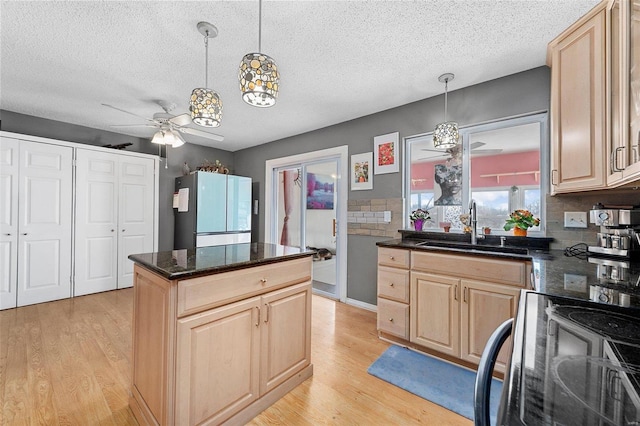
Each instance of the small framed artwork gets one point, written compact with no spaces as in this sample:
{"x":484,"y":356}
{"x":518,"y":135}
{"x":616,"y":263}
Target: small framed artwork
{"x":386,"y":158}
{"x":361,"y":177}
{"x":320,"y":192}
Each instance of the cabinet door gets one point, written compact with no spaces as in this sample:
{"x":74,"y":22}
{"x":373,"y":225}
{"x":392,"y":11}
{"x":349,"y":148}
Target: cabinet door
{"x":96,"y":236}
{"x":217,"y":363}
{"x":578,"y":120}
{"x":211,"y":202}
{"x":435,"y":312}
{"x":286,"y":335}
{"x":44,"y":222}
{"x":238,"y":203}
{"x":136,"y":215}
{"x":9,"y":154}
{"x":484,"y":307}
{"x":631,"y":98}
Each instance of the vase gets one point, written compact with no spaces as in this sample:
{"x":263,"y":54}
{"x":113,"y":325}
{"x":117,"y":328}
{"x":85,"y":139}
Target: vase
{"x":417,"y":224}
{"x":519,"y":232}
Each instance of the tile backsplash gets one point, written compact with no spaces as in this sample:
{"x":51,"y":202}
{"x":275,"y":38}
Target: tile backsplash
{"x":557,"y":205}
{"x":365,"y":217}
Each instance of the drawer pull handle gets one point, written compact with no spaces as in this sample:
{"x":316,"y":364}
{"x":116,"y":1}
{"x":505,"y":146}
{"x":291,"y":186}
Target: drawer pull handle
{"x":465,"y":295}
{"x":392,"y":258}
{"x":391,"y":284}
{"x":455,"y":292}
{"x":390,"y":319}
{"x":263,"y":280}
{"x":258,"y":323}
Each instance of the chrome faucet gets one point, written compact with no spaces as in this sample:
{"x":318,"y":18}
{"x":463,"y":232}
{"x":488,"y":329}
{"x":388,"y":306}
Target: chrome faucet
{"x":474,"y":222}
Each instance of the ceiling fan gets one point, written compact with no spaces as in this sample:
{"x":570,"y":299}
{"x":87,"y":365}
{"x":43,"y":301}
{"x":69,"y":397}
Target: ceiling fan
{"x":164,"y":121}
{"x":456,"y":151}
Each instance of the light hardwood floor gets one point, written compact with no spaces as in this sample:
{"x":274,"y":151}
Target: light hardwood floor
{"x":68,"y":363}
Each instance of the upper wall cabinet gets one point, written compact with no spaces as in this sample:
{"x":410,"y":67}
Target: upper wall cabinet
{"x":595,"y":100}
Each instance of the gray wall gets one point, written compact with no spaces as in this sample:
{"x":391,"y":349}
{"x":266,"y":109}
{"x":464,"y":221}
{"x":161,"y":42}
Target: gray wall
{"x":194,"y":155}
{"x":516,"y":94}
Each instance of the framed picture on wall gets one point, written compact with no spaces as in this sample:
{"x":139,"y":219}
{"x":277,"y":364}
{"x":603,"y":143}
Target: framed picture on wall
{"x":385,"y":148}
{"x":320,"y":191}
{"x":361,"y":176}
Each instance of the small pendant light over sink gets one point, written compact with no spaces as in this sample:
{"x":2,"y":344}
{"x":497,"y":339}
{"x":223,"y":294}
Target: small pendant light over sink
{"x":205,"y":104}
{"x":446,"y":134}
{"x":258,"y":75}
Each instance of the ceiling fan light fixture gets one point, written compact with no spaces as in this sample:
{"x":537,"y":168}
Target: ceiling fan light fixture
{"x":258,"y":74}
{"x":177,"y":139}
{"x":446,"y":134}
{"x":158,"y":138}
{"x":205,"y":104}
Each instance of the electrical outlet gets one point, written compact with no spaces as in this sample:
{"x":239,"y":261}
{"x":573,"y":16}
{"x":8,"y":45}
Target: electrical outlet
{"x":575,"y":219}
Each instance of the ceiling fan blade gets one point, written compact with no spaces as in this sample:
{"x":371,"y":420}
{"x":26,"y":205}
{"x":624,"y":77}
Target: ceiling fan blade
{"x":486,"y":151}
{"x":133,"y":125}
{"x":127,"y":112}
{"x":200,"y":133}
{"x":181,"y":120}
{"x":476,"y":145}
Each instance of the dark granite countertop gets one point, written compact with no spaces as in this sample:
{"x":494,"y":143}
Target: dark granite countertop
{"x":181,"y":264}
{"x":574,"y":362}
{"x":594,"y":278}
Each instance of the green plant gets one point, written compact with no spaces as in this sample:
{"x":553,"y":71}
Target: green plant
{"x":419,"y":215}
{"x":522,"y":219}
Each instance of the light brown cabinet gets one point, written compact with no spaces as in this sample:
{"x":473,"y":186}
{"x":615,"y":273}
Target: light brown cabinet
{"x":455,"y":302}
{"x":595,"y":100}
{"x":219,"y":348}
{"x":625,"y":91}
{"x":578,"y":106}
{"x":393,"y":292}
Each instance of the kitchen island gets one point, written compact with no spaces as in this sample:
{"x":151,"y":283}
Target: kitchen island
{"x":219,"y":333}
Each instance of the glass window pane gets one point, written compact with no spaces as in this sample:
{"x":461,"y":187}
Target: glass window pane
{"x":492,"y":208}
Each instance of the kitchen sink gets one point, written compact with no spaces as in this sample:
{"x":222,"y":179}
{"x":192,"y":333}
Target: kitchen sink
{"x":473,"y":247}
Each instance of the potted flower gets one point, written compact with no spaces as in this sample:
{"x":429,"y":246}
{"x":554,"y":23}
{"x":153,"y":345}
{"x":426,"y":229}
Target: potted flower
{"x":520,"y":221}
{"x":418,"y":217}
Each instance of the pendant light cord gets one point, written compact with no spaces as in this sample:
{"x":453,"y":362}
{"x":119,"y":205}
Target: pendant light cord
{"x":206,"y":60}
{"x":259,"y":26}
{"x":446,"y":86}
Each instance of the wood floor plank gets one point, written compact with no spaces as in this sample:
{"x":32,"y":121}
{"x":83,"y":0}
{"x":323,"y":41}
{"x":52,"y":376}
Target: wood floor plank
{"x":69,"y":363}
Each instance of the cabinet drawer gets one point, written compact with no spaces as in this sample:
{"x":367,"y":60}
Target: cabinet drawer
{"x":397,"y":258}
{"x":393,"y":318}
{"x":197,"y":294}
{"x":499,"y":271}
{"x":393,"y":284}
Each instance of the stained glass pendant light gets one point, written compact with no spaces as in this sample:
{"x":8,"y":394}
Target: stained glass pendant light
{"x":446,"y":133}
{"x":205,"y":104}
{"x":258,"y":75}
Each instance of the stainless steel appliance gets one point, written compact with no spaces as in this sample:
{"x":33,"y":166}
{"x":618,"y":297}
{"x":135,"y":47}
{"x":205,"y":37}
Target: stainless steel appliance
{"x":619,"y":231}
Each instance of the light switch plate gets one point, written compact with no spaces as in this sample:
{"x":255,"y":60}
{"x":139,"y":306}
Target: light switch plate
{"x":575,"y":219}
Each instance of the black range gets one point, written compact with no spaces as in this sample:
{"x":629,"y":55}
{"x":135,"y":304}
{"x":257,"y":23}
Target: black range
{"x":574,"y":362}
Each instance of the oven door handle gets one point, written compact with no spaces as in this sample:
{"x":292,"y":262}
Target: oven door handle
{"x":485,"y":370}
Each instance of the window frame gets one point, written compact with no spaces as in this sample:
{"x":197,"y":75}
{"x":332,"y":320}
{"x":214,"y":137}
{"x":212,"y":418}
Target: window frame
{"x":465,"y":132}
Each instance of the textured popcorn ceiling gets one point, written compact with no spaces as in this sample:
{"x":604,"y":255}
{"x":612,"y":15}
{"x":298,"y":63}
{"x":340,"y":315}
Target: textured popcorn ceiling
{"x":339,"y":60}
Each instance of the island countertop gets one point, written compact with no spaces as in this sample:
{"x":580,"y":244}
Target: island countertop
{"x":189,"y":263}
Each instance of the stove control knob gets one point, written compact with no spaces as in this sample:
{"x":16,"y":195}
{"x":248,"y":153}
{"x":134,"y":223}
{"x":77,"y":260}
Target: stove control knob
{"x":603,"y":216}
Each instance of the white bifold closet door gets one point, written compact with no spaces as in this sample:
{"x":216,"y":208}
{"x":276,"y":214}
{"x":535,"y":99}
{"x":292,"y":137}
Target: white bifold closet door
{"x":37,"y":191}
{"x":114,"y":218}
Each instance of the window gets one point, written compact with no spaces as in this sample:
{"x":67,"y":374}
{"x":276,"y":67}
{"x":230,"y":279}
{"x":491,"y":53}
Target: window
{"x":497,"y":164}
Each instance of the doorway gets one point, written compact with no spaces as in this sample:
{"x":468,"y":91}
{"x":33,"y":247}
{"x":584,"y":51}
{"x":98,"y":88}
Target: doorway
{"x":306,"y":207}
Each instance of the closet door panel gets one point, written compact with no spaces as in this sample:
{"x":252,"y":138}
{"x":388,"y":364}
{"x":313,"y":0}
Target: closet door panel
{"x":96,"y":248}
{"x":9,"y":154}
{"x":45,"y":207}
{"x":135,"y":213}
